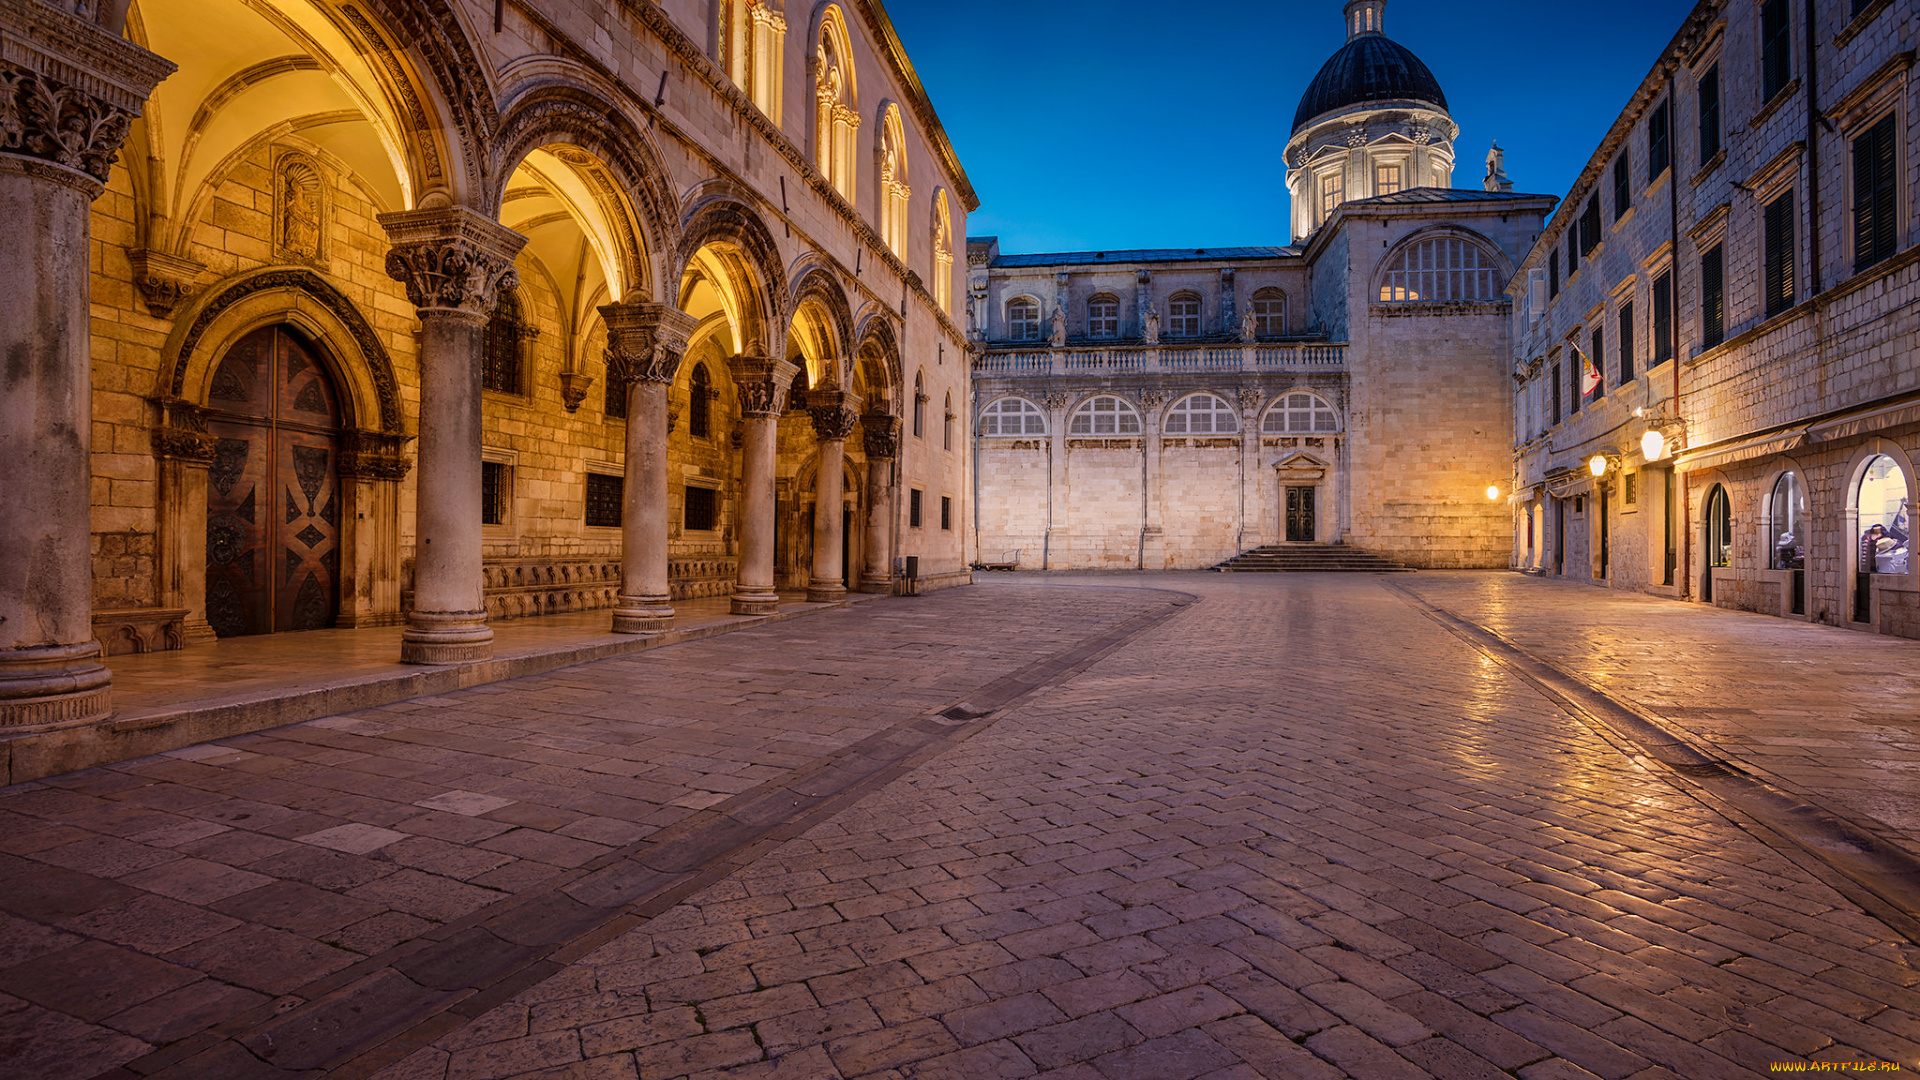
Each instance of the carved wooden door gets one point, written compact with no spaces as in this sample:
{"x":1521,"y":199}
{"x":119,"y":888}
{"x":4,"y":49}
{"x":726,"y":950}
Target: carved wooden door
{"x":273,"y":499}
{"x":1299,"y":513}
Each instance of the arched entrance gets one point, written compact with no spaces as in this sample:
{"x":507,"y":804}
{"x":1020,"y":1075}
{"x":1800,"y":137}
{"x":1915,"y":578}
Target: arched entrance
{"x":273,"y":498}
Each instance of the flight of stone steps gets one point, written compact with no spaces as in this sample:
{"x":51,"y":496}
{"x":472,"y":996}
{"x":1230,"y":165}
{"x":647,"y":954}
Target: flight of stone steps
{"x":1309,"y":558}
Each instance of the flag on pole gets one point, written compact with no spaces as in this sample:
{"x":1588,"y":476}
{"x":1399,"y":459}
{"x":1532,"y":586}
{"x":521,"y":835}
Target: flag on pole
{"x":1590,"y":381}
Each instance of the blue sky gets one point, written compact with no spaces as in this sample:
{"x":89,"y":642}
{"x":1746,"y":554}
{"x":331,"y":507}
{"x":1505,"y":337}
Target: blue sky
{"x":1104,"y":124}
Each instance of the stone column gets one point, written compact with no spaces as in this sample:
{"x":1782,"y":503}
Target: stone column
{"x":372,"y":465}
{"x":880,"y":436}
{"x":762,"y":383}
{"x":1153,"y":537}
{"x":184,"y":451}
{"x":68,"y":92}
{"x":833,"y":418}
{"x":645,"y":343}
{"x":453,"y":262}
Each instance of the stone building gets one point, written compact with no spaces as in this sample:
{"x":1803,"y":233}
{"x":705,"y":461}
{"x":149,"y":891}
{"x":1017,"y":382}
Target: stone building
{"x":1169,"y":408}
{"x":1737,"y":266}
{"x":363,"y":312}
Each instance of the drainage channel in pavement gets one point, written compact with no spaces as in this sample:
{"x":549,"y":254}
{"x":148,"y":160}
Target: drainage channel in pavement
{"x":1877,"y":875}
{"x":357,"y":1021}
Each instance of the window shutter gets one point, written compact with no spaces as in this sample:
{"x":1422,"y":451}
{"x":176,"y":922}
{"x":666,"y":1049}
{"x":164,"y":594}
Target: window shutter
{"x":1626,"y":342}
{"x":1622,"y":187}
{"x":1709,"y":113}
{"x":1663,"y":318}
{"x":1713,"y":326}
{"x":1537,"y":298}
{"x":1874,"y":192}
{"x":1599,"y":355}
{"x":1779,"y":241}
{"x":1776,"y":49}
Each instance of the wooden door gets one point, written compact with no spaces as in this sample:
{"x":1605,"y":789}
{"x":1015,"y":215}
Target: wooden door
{"x":1299,"y":514}
{"x":273,"y":499}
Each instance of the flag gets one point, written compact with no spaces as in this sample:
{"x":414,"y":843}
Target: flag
{"x":1901,"y":523}
{"x":1590,"y":381}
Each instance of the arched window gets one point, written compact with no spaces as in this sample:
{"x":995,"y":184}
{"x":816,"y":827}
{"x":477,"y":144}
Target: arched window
{"x":1269,"y":313}
{"x":946,"y":433}
{"x":1103,"y":316}
{"x":1023,"y":320}
{"x":1787,"y":513}
{"x":1201,"y":414}
{"x":699,"y":398}
{"x":891,"y":187}
{"x":942,"y":253}
{"x":835,"y":102}
{"x":1300,"y":412}
{"x":749,"y":40}
{"x":1719,"y":527}
{"x":1183,"y":315}
{"x":1880,"y":500}
{"x":1105,"y":415}
{"x":500,"y":366}
{"x":1013,"y":416}
{"x":919,"y":405}
{"x":1443,"y":268}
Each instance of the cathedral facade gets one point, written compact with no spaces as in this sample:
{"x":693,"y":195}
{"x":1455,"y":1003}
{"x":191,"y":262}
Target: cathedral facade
{"x":407,"y":312}
{"x":1166,"y":409}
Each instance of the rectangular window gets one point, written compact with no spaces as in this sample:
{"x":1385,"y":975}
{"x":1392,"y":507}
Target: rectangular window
{"x":1329,"y":194}
{"x":1555,"y":388}
{"x":913,"y":507}
{"x":1713,"y":300}
{"x":1709,"y":114}
{"x":1875,"y":193}
{"x":700,"y":512}
{"x":1622,"y":187}
{"x":1553,"y":273}
{"x":1386,"y":179}
{"x":1103,"y":318}
{"x":1659,"y":147}
{"x":1779,"y":250}
{"x":1576,"y":375}
{"x":1573,"y":248}
{"x":1183,"y":317}
{"x":946,"y":512}
{"x":495,"y":489}
{"x":1663,"y":317}
{"x":1599,"y":355}
{"x":1626,"y":342}
{"x":1630,"y":488}
{"x":603,"y":500}
{"x":1776,"y":48}
{"x":500,"y":362}
{"x":1590,"y":225}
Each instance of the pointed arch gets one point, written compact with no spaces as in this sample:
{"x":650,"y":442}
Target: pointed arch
{"x":942,"y":252}
{"x":836,"y":98}
{"x":890,"y":187}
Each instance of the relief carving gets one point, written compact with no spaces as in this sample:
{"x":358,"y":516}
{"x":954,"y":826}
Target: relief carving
{"x":373,"y":455}
{"x":880,"y":436}
{"x":44,"y":119}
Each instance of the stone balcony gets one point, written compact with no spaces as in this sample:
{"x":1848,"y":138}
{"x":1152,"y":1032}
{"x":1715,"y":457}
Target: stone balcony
{"x":1002,"y":361}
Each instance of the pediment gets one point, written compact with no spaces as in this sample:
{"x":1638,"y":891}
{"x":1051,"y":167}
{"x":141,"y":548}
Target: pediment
{"x":1300,"y":459}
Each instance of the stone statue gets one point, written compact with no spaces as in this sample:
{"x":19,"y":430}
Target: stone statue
{"x":300,"y":212}
{"x":1246,"y":326}
{"x":1150,"y":326}
{"x":1058,"y":334}
{"x":1497,"y":170}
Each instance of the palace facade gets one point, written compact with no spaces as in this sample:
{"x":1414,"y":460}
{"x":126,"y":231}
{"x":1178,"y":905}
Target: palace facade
{"x":371,"y":312}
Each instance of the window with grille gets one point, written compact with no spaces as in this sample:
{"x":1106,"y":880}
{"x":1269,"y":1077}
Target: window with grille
{"x":1776,"y":48}
{"x":1013,"y":416}
{"x":496,"y":488}
{"x":1330,"y":193}
{"x":1023,"y":320}
{"x":1441,"y":269}
{"x":1659,"y":145}
{"x":1386,"y":179}
{"x":1875,"y":192}
{"x":1663,"y":317}
{"x":913,"y":507}
{"x":1201,"y":414}
{"x":700,"y":403}
{"x":1779,"y":254}
{"x":946,"y":512}
{"x":1300,"y":412}
{"x":614,"y":407}
{"x":700,"y":509}
{"x":1709,"y":114}
{"x":1105,"y":416}
{"x":1269,"y":313}
{"x":1713,"y":300}
{"x":603,"y":500}
{"x":1183,"y":315}
{"x":1626,"y":342}
{"x":1103,"y":317}
{"x":500,"y":362}
{"x":1622,"y":186}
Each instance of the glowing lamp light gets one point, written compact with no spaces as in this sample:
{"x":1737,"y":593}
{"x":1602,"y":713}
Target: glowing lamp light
{"x":1597,"y":465}
{"x":1493,"y":492}
{"x":1653,"y":445}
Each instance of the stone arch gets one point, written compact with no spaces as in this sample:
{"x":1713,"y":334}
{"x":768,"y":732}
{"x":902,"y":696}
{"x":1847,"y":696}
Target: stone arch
{"x":612,"y":155}
{"x":719,"y":213}
{"x":1851,"y":528}
{"x":876,"y":350}
{"x":816,"y":286}
{"x":296,"y":295}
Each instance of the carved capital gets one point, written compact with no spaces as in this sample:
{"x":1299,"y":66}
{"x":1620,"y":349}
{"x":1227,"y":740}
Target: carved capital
{"x":834,"y":413}
{"x":69,"y":90}
{"x":880,"y":435}
{"x":164,"y":280}
{"x":451,"y":259}
{"x":762,"y":383}
{"x":181,"y":434}
{"x":645,"y":342}
{"x":374,"y":455}
{"x":1250,"y":399}
{"x":1153,"y":399}
{"x":51,"y":122}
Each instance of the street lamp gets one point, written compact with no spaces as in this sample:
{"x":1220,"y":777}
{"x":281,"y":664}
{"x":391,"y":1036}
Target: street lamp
{"x":1493,"y":492}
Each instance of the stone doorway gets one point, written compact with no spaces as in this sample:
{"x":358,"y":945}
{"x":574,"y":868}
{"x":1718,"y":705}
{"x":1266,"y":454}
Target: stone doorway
{"x":1300,"y":523}
{"x":273,"y":498}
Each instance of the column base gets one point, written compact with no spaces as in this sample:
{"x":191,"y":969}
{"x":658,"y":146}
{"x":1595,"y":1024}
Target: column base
{"x":53,"y":686}
{"x":825,"y":592}
{"x":750,"y":601}
{"x":642,"y":615}
{"x":883,"y":584}
{"x":446,"y":637}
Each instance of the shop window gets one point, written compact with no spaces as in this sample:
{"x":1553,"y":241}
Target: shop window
{"x":1880,"y":500}
{"x":1719,"y":527}
{"x":603,"y":500}
{"x":1201,"y":414}
{"x":1787,"y":513}
{"x":1013,"y":416}
{"x":1105,"y":416}
{"x":700,"y":511}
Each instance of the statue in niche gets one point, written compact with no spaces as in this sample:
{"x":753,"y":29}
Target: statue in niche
{"x":1058,"y":334}
{"x":1246,"y":326}
{"x":300,"y":211}
{"x":1150,"y":326}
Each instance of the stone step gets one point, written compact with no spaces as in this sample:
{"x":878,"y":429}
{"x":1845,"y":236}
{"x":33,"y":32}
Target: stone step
{"x":1309,"y":558}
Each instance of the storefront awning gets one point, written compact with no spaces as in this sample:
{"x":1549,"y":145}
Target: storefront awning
{"x":1708,"y":457}
{"x":1524,"y":495}
{"x":1847,"y":426}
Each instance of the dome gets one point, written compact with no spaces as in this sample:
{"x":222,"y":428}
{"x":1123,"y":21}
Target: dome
{"x":1370,"y":67}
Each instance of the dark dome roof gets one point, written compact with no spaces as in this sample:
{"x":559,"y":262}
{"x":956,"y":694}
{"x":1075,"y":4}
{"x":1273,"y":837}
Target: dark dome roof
{"x":1371,"y":67}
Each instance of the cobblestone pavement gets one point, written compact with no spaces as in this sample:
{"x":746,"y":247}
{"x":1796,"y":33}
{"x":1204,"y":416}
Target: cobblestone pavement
{"x":1297,"y":828}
